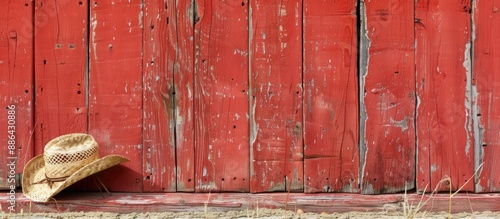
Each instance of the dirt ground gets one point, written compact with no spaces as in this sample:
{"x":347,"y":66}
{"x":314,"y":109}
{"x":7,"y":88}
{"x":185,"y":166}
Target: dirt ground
{"x":255,"y":213}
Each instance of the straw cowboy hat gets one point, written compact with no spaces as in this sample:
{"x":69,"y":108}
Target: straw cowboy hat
{"x":65,"y":160}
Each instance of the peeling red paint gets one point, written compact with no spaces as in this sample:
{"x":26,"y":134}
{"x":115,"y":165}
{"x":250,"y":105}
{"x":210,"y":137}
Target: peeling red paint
{"x":254,"y":96}
{"x":60,"y":69}
{"x":276,"y":96}
{"x":443,"y":80}
{"x":16,"y":87}
{"x":486,"y":81}
{"x":390,"y":149}
{"x":221,"y":96}
{"x":115,"y":89}
{"x":331,"y":97}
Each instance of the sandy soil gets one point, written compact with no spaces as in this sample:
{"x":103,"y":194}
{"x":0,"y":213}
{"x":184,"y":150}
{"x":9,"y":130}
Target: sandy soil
{"x":260,"y":213}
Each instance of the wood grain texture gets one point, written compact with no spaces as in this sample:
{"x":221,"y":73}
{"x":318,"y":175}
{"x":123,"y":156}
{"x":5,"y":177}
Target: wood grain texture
{"x":443,"y":64}
{"x":248,"y":204}
{"x":183,"y":68}
{"x":168,"y":96}
{"x":276,"y":96}
{"x":16,"y":84}
{"x":486,"y":80}
{"x":331,"y":96}
{"x":158,"y":122}
{"x":389,"y":96}
{"x":221,"y":96}
{"x":60,"y":69}
{"x":115,"y":93}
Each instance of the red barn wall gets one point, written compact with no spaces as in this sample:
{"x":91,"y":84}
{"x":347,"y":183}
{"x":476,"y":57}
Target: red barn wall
{"x":260,"y":96}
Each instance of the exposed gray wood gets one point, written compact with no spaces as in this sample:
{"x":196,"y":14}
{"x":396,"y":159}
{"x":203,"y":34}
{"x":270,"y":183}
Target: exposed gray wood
{"x":128,"y":202}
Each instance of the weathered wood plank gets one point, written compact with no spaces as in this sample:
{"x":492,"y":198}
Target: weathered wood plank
{"x":16,"y":87}
{"x":183,"y":67}
{"x":168,"y":96}
{"x":389,"y":96}
{"x":216,"y":202}
{"x":221,"y":96}
{"x":60,"y":69}
{"x":158,"y":122}
{"x":445,"y":142}
{"x":331,"y":96}
{"x":487,"y":82}
{"x":276,"y":96}
{"x":115,"y":93}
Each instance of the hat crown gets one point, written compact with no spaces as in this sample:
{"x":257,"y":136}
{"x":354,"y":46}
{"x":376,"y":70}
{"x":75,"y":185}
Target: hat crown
{"x":68,"y":153}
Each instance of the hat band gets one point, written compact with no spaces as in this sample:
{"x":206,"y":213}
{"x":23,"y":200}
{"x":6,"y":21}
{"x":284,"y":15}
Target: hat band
{"x":51,"y":181}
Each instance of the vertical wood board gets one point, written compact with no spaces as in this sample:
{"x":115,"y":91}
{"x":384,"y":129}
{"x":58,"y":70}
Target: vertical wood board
{"x":181,"y":14}
{"x":115,"y":88}
{"x":388,"y":81}
{"x":16,"y":88}
{"x":443,"y":65}
{"x":331,"y":96}
{"x":158,"y":122}
{"x":276,"y":96}
{"x":486,"y":80}
{"x":221,"y":96}
{"x":60,"y":69}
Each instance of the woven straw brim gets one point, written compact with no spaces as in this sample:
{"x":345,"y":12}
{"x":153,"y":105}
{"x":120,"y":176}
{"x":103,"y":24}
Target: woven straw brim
{"x":34,"y":171}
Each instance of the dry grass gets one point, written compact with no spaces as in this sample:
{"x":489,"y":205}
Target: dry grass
{"x":410,"y":211}
{"x":206,"y":205}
